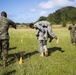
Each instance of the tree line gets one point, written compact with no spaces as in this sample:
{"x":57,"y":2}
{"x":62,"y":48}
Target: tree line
{"x":61,"y":16}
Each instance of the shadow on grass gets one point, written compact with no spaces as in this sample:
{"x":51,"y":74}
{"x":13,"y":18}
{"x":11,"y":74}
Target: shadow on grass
{"x":16,"y":56}
{"x":11,"y":72}
{"x":53,"y":49}
{"x":27,"y":55}
{"x":12,"y":48}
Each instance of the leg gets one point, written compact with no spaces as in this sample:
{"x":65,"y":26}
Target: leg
{"x":51,"y":35}
{"x":72,"y":38}
{"x":0,"y":46}
{"x":75,"y":38}
{"x":50,"y":39}
{"x":5,"y":47}
{"x":45,"y":47}
{"x":41,"y":47}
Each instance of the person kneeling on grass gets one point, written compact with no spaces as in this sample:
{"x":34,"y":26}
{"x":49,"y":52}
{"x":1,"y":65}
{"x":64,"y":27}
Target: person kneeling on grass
{"x":43,"y":32}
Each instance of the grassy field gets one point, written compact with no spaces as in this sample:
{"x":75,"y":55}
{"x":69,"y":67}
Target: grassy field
{"x":23,"y":42}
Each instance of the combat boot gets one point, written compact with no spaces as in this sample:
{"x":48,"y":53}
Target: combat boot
{"x":42,"y":54}
{"x":46,"y":52}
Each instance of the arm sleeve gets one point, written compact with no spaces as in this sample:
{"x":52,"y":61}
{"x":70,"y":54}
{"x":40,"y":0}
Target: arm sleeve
{"x":37,"y":32}
{"x":13,"y":24}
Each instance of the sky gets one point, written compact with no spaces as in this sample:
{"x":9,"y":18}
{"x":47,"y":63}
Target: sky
{"x":27,"y":11}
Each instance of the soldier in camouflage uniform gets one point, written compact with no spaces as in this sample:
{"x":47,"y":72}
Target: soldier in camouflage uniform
{"x":4,"y":35}
{"x":46,"y":24}
{"x":72,"y":29}
{"x":43,"y":31}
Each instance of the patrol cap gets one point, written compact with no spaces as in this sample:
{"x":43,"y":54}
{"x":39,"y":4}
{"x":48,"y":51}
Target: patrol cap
{"x":3,"y":13}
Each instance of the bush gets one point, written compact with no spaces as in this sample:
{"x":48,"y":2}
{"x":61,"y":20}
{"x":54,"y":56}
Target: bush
{"x":64,"y":24}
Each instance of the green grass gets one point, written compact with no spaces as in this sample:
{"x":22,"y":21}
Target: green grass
{"x":61,"y":59}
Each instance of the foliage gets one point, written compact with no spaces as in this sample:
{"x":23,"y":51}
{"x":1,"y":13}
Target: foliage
{"x":66,"y":14}
{"x":64,"y":24}
{"x":42,"y":18}
{"x":62,"y":16}
{"x":18,"y":23}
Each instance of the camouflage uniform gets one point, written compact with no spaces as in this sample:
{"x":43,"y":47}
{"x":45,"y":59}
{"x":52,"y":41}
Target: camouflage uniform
{"x":72,"y":29}
{"x":4,"y":35}
{"x":45,"y":24}
{"x":42,"y":40}
{"x":43,"y":28}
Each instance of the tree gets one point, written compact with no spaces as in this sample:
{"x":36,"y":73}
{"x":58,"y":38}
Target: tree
{"x":63,"y":17}
{"x":42,"y":18}
{"x":18,"y":23}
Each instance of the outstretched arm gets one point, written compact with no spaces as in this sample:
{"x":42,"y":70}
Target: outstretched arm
{"x":12,"y":24}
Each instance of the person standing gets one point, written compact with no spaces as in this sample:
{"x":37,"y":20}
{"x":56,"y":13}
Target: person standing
{"x":72,"y":29}
{"x":42,"y":39}
{"x":4,"y":36}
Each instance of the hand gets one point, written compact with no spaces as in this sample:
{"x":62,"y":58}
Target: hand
{"x":42,"y":36}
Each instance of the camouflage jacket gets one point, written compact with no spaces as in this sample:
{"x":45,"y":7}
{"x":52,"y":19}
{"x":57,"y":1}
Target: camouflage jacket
{"x":72,"y":28}
{"x":45,"y":28}
{"x":4,"y":26}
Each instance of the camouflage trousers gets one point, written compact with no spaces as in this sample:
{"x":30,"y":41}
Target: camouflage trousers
{"x":73,"y":37}
{"x":4,"y":46}
{"x":43,"y":45}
